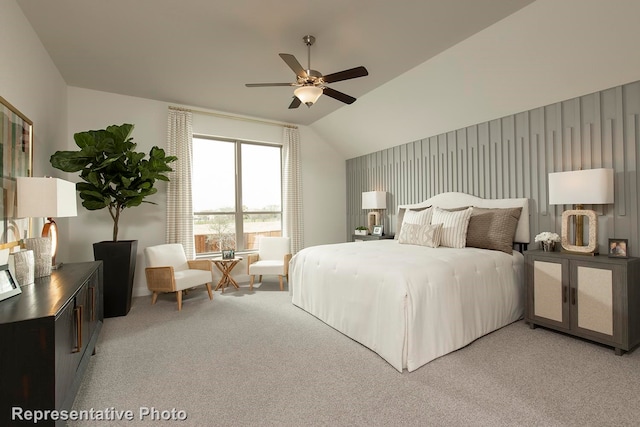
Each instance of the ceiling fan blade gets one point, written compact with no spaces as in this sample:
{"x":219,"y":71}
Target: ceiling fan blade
{"x":267,"y":84}
{"x":346,"y":75}
{"x":293,"y":63}
{"x":332,"y":93}
{"x":295,"y":103}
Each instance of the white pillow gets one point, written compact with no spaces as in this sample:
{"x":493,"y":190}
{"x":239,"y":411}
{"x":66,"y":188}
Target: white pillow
{"x":417,"y":217}
{"x":454,"y":226}
{"x":423,"y":235}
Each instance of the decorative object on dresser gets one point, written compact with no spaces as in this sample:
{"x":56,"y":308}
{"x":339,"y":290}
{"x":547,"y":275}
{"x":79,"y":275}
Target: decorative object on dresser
{"x":48,"y":335}
{"x":377,"y":230}
{"x":619,"y":248}
{"x":589,"y":186}
{"x":597,"y":298}
{"x":9,"y":286}
{"x":547,"y":241}
{"x":47,"y":197}
{"x":41,"y":247}
{"x":115,"y":177}
{"x":22,"y":265}
{"x":374,"y":200}
{"x":361,"y":231}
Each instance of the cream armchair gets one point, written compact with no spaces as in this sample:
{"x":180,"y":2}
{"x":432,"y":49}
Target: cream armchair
{"x":272,"y":259}
{"x":169,"y":271}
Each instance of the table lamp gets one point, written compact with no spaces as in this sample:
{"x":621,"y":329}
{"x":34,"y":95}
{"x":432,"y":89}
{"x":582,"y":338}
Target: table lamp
{"x":48,"y":198}
{"x":579,"y":188}
{"x":374,"y":200}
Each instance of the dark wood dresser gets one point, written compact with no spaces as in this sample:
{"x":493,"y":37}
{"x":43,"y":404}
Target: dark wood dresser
{"x":47,"y":335}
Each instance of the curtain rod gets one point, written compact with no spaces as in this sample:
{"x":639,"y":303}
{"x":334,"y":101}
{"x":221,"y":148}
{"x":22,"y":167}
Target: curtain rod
{"x":228,"y":116}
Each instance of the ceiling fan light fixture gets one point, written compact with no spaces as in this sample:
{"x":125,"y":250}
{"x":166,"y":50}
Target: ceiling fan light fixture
{"x":308,"y":94}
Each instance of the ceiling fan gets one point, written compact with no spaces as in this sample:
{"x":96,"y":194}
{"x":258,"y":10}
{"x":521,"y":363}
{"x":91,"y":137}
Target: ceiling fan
{"x":311,"y":83}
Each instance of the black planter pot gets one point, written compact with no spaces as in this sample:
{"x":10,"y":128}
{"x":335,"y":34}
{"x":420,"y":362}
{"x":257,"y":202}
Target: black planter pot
{"x":119,"y":265}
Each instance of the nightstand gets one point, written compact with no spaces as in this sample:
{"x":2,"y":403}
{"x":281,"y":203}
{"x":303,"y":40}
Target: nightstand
{"x":360,"y":238}
{"x":592,"y":297}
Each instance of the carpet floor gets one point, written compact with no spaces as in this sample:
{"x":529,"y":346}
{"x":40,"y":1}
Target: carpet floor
{"x":254,"y":359}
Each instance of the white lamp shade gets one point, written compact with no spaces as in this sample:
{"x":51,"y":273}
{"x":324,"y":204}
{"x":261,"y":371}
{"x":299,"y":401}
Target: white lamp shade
{"x":308,"y":94}
{"x":582,"y":187}
{"x":46,"y":197}
{"x":374,"y":200}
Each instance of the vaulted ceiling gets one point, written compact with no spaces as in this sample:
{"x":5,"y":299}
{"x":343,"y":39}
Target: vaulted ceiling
{"x":200,"y":53}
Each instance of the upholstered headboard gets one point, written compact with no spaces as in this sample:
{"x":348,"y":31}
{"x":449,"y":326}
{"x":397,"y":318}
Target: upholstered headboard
{"x":457,"y":200}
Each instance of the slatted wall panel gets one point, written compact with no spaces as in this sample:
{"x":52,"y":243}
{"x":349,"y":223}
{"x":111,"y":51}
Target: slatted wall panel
{"x":511,"y":157}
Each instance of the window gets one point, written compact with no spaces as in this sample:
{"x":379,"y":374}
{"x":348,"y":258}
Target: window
{"x":237,"y":193}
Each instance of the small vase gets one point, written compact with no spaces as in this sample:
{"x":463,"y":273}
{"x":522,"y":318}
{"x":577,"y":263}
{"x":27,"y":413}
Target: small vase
{"x":548,"y":246}
{"x":41,"y":247}
{"x":22,"y":265}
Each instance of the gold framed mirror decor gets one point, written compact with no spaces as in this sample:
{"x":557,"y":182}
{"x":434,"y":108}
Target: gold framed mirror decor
{"x":16,"y":143}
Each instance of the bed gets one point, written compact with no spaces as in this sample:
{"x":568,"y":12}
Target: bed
{"x":412,"y":303}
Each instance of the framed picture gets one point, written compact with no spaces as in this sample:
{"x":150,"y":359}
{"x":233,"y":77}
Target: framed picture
{"x":16,"y":140}
{"x":228,"y":254}
{"x":618,"y":248}
{"x":8,"y":285}
{"x":377,"y":230}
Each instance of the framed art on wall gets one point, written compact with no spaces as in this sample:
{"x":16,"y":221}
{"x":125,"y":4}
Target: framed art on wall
{"x":16,"y":146}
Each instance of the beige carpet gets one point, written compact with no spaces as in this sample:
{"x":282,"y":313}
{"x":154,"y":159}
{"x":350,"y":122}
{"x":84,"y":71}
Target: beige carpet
{"x":252,"y":358}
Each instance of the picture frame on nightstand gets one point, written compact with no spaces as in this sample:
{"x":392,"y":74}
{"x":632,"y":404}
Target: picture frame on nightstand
{"x":618,"y":248}
{"x":377,"y":230}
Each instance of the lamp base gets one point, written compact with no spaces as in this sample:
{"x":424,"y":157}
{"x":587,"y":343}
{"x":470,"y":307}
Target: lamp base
{"x":373,"y":219}
{"x":56,"y":266}
{"x":592,"y":247}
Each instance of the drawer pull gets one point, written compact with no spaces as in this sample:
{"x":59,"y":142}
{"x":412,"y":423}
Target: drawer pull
{"x":573,"y":296}
{"x":564,"y":294}
{"x":93,"y":303}
{"x":78,"y":318}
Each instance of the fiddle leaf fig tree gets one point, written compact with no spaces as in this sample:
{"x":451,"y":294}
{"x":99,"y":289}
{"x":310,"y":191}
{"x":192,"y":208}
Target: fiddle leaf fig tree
{"x":115,"y":176}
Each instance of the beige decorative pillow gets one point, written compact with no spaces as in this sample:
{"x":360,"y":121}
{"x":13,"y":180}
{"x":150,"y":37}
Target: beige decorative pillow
{"x":493,"y":228}
{"x":454,"y":226}
{"x":422,"y":217}
{"x":400,"y":218}
{"x":423,"y":235}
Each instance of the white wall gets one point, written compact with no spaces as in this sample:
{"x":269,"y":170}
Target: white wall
{"x":323,"y":174}
{"x":548,"y":51}
{"x":30,"y":82}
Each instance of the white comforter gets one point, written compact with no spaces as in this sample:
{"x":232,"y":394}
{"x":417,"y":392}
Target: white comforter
{"x":410,"y":304}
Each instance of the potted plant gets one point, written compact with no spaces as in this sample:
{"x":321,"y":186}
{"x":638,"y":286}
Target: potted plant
{"x":115,"y":177}
{"x":361,"y":230}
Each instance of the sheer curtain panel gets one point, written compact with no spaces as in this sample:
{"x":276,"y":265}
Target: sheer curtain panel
{"x":292,"y":190}
{"x":179,"y":203}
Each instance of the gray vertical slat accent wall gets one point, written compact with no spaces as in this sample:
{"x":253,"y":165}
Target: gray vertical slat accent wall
{"x":512,"y":157}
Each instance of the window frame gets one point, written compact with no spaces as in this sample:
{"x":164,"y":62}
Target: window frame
{"x":238,"y":213}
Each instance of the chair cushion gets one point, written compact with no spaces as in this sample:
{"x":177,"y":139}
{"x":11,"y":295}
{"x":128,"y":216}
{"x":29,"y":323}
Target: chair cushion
{"x":267,"y":267}
{"x":186,"y":279}
{"x":169,"y":255}
{"x":273,"y":248}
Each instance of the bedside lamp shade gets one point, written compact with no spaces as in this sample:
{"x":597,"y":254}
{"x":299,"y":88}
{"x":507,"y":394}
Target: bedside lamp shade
{"x":374,"y":200}
{"x":48,"y":198}
{"x":581,"y":187}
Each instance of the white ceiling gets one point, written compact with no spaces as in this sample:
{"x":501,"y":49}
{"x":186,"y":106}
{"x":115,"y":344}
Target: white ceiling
{"x":200,"y":53}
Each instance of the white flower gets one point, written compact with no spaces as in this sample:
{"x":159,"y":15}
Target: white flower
{"x":548,"y":237}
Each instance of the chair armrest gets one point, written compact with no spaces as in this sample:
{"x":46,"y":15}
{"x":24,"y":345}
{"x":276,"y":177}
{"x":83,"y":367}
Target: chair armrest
{"x":201,"y":264}
{"x":251,"y":258}
{"x":287,"y":258}
{"x":160,"y":279}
